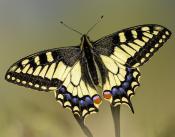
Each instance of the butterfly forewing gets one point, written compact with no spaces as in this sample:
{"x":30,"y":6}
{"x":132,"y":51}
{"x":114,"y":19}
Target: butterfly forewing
{"x":42,"y":70}
{"x":133,"y":46}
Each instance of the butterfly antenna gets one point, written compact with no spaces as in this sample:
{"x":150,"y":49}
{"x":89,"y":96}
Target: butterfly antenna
{"x":70,"y":28}
{"x":98,"y":21}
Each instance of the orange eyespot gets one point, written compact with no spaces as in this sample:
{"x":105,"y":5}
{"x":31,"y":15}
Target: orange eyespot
{"x":107,"y":95}
{"x":97,"y":99}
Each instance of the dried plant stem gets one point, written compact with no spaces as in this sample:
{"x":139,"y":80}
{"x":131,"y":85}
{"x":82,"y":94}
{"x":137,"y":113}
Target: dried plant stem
{"x":83,"y":126}
{"x":116,"y":118}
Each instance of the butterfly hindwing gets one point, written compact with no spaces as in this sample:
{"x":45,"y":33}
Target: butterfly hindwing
{"x":118,"y":81}
{"x":133,"y":46}
{"x":78,"y":93}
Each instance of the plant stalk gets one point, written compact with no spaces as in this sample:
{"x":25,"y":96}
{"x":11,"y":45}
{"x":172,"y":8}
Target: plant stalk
{"x":83,"y":126}
{"x":116,"y":118}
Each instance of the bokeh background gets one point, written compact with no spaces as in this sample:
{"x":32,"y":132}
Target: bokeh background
{"x":28,"y":26}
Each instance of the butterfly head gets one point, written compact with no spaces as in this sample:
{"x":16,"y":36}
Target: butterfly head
{"x":85,"y":37}
{"x":85,"y":41}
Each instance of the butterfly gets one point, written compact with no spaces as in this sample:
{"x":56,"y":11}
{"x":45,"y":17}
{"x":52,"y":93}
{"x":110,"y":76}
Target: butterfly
{"x":75,"y":73}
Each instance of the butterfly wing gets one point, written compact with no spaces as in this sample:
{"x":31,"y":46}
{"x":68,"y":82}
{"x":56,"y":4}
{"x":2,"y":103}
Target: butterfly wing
{"x":133,"y":46}
{"x":40,"y":70}
{"x":119,"y":55}
{"x":118,"y":82}
{"x":60,"y":70}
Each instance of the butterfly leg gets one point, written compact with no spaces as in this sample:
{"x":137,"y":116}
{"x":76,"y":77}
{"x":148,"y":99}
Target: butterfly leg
{"x":85,"y":129}
{"x":116,"y":118}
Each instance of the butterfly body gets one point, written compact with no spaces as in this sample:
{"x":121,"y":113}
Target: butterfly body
{"x":73,"y":73}
{"x":88,"y":57}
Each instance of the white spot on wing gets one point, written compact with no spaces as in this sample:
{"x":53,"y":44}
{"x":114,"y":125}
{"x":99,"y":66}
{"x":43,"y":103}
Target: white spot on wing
{"x":167,"y":33}
{"x":13,"y":78}
{"x":24,"y":82}
{"x":160,"y":41}
{"x":8,"y":76}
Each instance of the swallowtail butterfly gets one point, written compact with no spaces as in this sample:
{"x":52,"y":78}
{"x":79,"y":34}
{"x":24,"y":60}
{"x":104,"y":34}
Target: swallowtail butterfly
{"x":75,"y":73}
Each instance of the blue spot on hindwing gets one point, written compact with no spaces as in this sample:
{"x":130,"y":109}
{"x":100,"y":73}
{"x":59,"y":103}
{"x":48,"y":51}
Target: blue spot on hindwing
{"x":67,"y":96}
{"x":62,"y":89}
{"x":129,"y":77}
{"x":114,"y":91}
{"x":89,"y":101}
{"x":75,"y":100}
{"x":82,"y":103}
{"x":121,"y":91}
{"x":125,"y":85}
{"x":129,"y":69}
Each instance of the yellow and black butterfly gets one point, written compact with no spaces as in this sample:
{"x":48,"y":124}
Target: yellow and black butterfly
{"x":74,"y":73}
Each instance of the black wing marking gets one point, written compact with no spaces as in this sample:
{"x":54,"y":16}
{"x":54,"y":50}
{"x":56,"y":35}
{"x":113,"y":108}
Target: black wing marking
{"x":40,"y":70}
{"x":63,"y":71}
{"x":118,"y":81}
{"x":133,"y":46}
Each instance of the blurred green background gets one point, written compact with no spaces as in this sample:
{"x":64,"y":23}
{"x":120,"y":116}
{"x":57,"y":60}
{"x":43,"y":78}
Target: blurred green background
{"x":28,"y":26}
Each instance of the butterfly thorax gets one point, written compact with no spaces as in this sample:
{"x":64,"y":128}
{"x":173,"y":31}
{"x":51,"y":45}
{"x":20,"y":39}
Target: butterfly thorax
{"x":88,"y":57}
